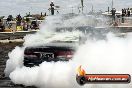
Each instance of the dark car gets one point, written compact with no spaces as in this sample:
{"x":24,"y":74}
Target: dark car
{"x":54,"y":51}
{"x":58,"y":50}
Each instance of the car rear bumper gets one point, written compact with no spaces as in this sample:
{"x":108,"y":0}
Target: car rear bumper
{"x":31,"y":62}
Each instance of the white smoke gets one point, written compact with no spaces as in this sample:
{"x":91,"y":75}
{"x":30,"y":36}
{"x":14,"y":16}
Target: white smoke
{"x":112,"y":55}
{"x":106,"y":56}
{"x":16,"y":60}
{"x":47,"y":75}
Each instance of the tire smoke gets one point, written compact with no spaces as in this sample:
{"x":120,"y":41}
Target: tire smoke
{"x":109,"y":56}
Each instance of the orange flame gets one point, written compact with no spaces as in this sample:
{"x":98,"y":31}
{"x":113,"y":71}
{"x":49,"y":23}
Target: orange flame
{"x":81,"y":72}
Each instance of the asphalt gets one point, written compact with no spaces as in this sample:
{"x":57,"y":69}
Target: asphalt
{"x":4,"y":50}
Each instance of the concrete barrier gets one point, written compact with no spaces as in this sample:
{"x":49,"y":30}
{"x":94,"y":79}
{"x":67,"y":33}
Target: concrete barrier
{"x":11,"y":41}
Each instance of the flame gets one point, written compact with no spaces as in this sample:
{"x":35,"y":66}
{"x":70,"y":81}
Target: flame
{"x":81,"y":72}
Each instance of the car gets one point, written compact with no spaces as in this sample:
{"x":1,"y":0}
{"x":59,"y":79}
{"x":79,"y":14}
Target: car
{"x":57,"y":50}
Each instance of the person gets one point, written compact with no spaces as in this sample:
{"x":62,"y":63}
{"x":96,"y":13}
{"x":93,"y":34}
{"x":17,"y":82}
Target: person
{"x":27,"y":24}
{"x":27,"y":19}
{"x":123,"y":14}
{"x":2,"y":27}
{"x":19,"y":19}
{"x":52,"y":8}
{"x":108,"y":9}
{"x":128,"y":12}
{"x":45,"y":14}
{"x":41,"y":14}
{"x":25,"y":28}
{"x":124,"y":11}
{"x":9,"y":19}
{"x":113,"y":11}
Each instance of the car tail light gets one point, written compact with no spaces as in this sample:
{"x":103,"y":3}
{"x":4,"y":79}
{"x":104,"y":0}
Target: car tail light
{"x":31,"y":54}
{"x":28,"y":53}
{"x":65,"y":54}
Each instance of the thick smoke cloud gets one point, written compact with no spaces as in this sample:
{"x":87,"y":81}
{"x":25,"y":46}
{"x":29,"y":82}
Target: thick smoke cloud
{"x":101,"y":57}
{"x":16,"y":60}
{"x":110,"y":55}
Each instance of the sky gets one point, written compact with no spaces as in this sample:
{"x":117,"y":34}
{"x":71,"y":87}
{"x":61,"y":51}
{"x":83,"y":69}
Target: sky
{"x":15,"y":7}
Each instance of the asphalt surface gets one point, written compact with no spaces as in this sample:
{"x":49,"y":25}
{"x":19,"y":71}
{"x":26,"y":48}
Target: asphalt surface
{"x":4,"y":50}
{"x":5,"y":82}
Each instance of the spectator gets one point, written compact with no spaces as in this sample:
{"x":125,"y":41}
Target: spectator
{"x":2,"y":27}
{"x":123,"y":14}
{"x":25,"y":27}
{"x":113,"y":11}
{"x":128,"y":12}
{"x":45,"y":14}
{"x":9,"y":19}
{"x":52,"y":8}
{"x":19,"y":19}
{"x":124,"y":11}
